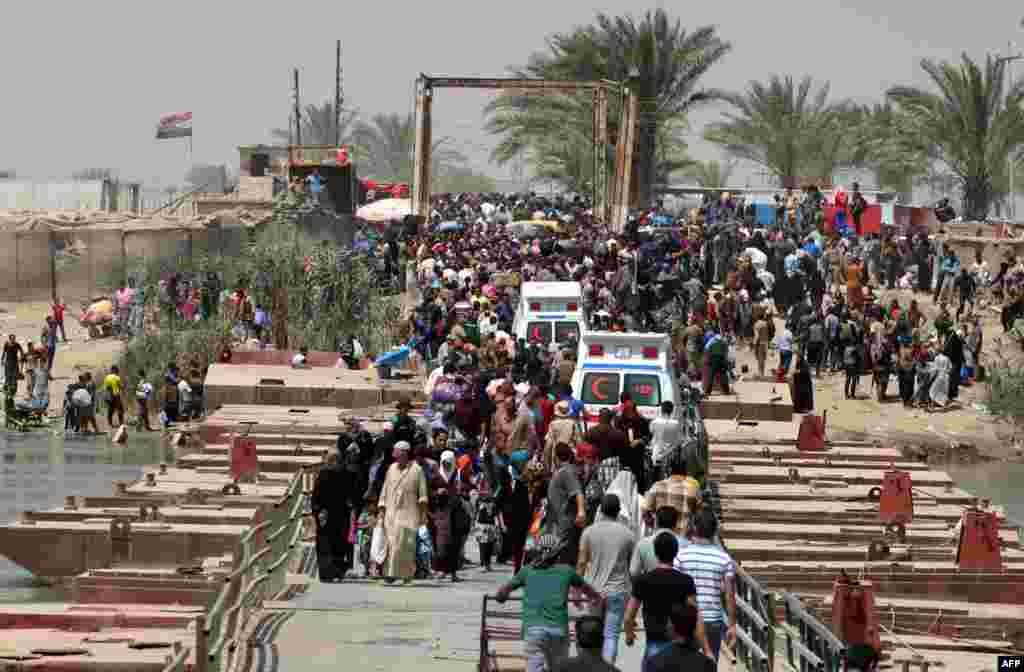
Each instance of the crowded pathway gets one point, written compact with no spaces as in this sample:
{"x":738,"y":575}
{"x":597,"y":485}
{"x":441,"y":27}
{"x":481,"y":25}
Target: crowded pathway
{"x":614,"y":508}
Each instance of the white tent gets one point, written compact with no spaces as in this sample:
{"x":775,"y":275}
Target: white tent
{"x":385,"y":210}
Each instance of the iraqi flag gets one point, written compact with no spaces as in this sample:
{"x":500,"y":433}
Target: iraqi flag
{"x":174,"y":126}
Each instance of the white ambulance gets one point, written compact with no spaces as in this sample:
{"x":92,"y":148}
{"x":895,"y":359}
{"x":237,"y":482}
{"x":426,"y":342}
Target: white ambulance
{"x":549,"y":312}
{"x":610,"y":363}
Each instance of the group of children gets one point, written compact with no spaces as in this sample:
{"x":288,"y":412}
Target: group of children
{"x":487,"y":532}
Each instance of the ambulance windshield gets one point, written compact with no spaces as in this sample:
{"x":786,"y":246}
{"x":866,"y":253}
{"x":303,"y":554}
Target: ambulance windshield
{"x":601,"y":388}
{"x":644,"y":388}
{"x":567,"y":331}
{"x":538,"y":332}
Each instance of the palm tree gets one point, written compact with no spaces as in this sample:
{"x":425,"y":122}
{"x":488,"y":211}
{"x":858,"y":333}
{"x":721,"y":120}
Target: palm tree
{"x":879,"y":144}
{"x":712,"y":174}
{"x":970,"y":125}
{"x":565,"y":161}
{"x":654,"y":55}
{"x":388,"y":141}
{"x":788,"y":127}
{"x":671,"y":151}
{"x":664,"y":64}
{"x":319,"y":126}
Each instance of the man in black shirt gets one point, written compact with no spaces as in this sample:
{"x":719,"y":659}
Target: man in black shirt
{"x":609,"y":441}
{"x":589,"y":642}
{"x":656,"y":591}
{"x":683,"y":653}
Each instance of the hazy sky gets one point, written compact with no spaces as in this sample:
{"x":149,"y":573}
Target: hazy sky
{"x":87,"y":81}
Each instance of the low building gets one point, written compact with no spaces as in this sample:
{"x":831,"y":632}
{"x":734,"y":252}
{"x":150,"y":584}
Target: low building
{"x":266,"y":170}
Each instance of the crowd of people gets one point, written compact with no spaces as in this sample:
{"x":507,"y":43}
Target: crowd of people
{"x":620,"y":509}
{"x":619,"y":506}
{"x":32,"y":363}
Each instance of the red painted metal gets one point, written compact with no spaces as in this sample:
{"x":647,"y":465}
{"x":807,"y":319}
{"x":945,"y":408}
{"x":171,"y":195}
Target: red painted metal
{"x":896,"y":503}
{"x":94,"y":618}
{"x":811,"y":437}
{"x":853,"y":613}
{"x":243,"y":458}
{"x":979,"y":546}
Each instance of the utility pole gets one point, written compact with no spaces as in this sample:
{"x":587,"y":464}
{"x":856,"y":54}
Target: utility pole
{"x":337,"y":98}
{"x":298,"y":110}
{"x":1007,"y":62}
{"x":1011,"y":158}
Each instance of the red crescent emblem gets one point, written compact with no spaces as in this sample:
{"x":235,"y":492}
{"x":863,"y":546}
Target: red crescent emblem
{"x":596,"y":388}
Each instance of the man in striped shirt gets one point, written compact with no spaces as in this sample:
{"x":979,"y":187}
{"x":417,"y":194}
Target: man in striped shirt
{"x":713,"y":571}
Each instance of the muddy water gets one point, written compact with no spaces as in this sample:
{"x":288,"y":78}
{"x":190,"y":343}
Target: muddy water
{"x":40,"y":468}
{"x":1000,"y":481}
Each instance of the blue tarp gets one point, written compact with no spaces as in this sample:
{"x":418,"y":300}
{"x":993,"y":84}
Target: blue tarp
{"x":449,"y":226}
{"x":764,"y":214}
{"x":394,"y":357}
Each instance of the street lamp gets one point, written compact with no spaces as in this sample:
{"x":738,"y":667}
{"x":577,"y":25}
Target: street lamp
{"x":1009,"y":158}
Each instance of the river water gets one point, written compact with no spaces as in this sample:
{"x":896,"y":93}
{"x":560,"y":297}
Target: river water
{"x":40,"y":468}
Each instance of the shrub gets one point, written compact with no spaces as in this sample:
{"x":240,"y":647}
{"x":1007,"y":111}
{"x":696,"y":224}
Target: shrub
{"x":1006,"y":392}
{"x":316,"y":294}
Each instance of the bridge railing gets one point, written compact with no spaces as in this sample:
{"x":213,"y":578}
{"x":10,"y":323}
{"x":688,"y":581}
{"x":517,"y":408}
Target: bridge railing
{"x":755,"y":624}
{"x":810,"y":645}
{"x":260,"y":574}
{"x":177,"y":660}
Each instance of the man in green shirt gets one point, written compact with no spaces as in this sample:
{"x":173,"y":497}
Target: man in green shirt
{"x":546,"y":586}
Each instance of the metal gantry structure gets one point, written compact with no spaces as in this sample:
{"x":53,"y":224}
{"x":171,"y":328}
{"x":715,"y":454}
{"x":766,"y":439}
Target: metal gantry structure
{"x":611,"y":199}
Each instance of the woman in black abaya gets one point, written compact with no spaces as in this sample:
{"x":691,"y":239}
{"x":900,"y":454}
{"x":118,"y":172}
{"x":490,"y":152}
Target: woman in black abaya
{"x":803,"y":387}
{"x":337,"y":494}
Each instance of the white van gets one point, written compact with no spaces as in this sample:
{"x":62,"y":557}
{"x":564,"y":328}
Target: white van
{"x":610,"y":363}
{"x":549,"y":312}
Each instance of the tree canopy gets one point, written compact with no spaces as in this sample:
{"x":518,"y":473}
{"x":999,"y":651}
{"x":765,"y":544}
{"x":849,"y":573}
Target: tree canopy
{"x":712,"y":174}
{"x":662,"y":61}
{"x":387,"y":143}
{"x":787,"y":126}
{"x":319,"y":125}
{"x":969,"y":121}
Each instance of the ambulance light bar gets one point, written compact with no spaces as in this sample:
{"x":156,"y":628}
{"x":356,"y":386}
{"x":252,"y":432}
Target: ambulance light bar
{"x":650,"y":353}
{"x":597,"y":351}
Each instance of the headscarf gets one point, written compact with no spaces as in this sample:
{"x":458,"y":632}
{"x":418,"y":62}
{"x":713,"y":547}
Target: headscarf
{"x":448,"y":466}
{"x":400,"y":452}
{"x":624,"y":486}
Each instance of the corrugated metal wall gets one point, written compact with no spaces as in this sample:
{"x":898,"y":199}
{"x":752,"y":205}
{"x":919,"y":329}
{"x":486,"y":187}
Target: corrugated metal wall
{"x":68,"y":195}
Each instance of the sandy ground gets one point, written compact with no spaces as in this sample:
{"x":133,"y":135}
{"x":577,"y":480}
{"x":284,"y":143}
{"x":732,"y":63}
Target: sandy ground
{"x":78,"y":355}
{"x":962,"y":423}
{"x":865,"y":417}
